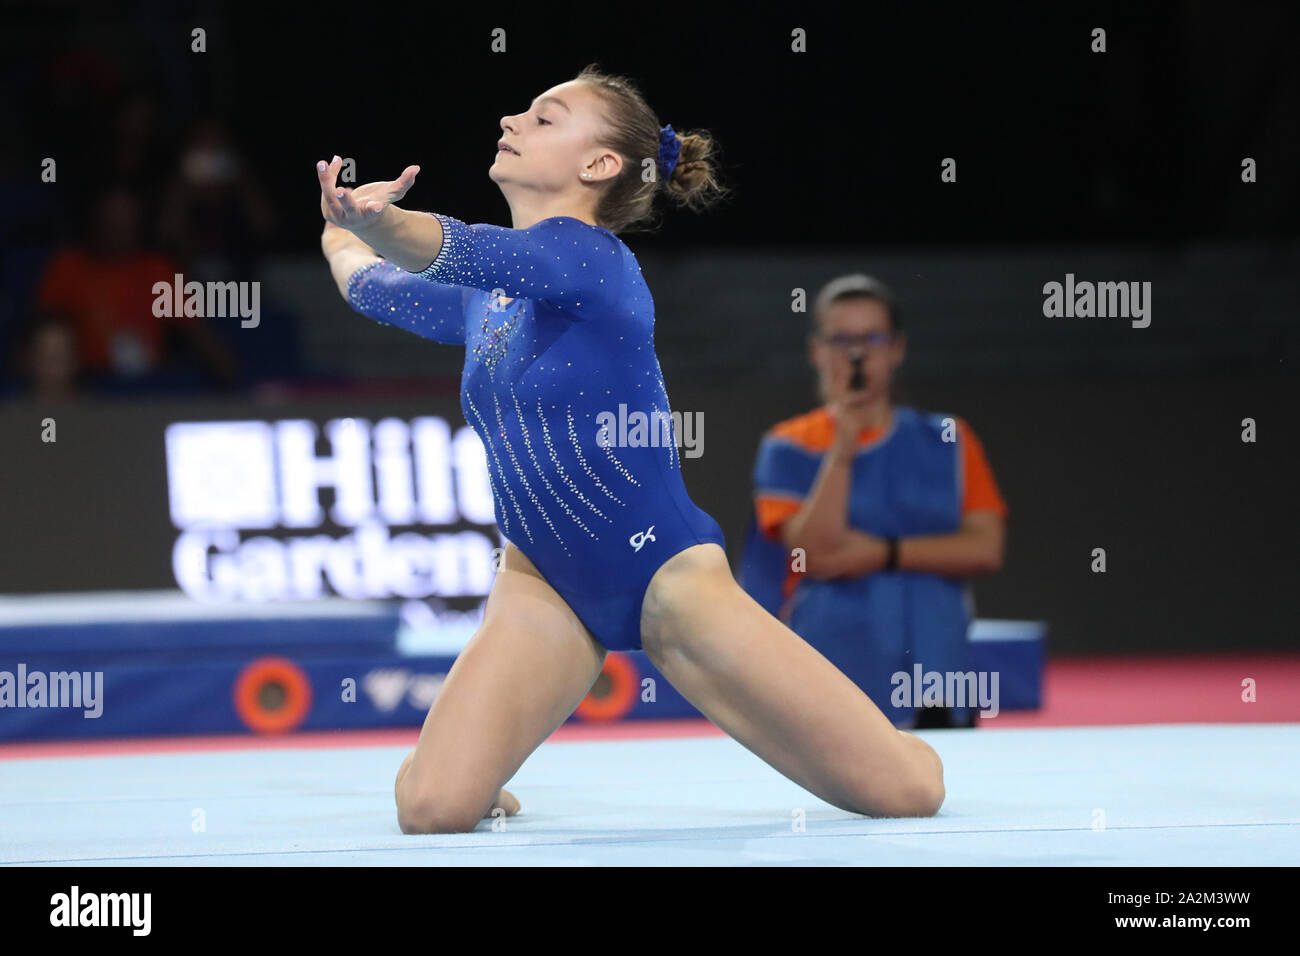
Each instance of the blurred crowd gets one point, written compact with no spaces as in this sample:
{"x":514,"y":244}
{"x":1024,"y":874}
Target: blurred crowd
{"x":113,"y":187}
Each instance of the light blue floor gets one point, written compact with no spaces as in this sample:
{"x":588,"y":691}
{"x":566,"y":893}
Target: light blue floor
{"x":1160,"y":795}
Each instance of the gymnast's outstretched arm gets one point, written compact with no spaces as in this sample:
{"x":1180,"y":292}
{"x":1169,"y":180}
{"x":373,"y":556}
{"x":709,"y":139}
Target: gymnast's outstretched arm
{"x":560,"y":259}
{"x":389,"y":295}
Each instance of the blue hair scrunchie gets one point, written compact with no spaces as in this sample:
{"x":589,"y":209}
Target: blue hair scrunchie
{"x":669,"y":149}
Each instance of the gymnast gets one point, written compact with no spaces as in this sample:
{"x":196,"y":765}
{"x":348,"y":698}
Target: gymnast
{"x":606,"y":551}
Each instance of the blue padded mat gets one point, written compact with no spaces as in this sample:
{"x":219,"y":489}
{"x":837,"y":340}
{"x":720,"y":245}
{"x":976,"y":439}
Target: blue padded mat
{"x":1150,"y":795}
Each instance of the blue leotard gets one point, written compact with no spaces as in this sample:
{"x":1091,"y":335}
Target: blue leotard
{"x":576,"y":340}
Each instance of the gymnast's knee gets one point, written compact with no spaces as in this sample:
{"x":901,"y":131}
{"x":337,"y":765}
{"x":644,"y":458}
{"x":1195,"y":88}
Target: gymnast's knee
{"x":434,"y":816}
{"x":917,"y":790}
{"x":919,"y":797}
{"x":927,"y":796}
{"x":422,"y":809}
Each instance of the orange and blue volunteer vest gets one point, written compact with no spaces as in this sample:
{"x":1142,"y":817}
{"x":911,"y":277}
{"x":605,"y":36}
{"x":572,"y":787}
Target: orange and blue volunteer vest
{"x":918,"y":475}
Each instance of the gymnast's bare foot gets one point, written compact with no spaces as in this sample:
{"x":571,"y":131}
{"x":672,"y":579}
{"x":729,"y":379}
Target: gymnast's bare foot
{"x":505,"y":801}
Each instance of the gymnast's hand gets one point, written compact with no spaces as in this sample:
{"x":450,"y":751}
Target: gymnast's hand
{"x":851,"y":413}
{"x":359,"y":208}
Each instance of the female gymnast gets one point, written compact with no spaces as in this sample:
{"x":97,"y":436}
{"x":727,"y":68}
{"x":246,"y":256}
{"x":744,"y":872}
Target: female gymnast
{"x":606,"y":550}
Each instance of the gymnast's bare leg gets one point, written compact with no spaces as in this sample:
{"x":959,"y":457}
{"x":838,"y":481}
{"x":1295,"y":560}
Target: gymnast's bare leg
{"x":525,"y":670}
{"x":772,"y":691}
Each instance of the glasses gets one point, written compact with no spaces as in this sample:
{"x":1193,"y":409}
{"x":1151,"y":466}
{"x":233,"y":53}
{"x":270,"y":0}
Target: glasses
{"x":869,"y":340}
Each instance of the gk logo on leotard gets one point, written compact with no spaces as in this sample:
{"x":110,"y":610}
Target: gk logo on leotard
{"x":641,"y":537}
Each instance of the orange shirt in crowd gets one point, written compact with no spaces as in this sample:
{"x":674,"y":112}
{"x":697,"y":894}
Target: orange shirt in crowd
{"x":110,"y":303}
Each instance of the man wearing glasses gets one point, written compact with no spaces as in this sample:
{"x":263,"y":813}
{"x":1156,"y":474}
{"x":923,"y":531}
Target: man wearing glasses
{"x":884,"y":513}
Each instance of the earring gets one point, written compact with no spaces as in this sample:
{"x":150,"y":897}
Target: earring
{"x":586,"y":175}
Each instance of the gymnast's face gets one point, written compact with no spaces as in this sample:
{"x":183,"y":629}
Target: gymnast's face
{"x":550,"y":147}
{"x":849,"y":328}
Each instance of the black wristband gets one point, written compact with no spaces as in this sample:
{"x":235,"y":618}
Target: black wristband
{"x":891,"y":562}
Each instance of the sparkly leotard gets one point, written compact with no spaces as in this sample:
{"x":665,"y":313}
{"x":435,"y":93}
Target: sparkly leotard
{"x":596,"y":517}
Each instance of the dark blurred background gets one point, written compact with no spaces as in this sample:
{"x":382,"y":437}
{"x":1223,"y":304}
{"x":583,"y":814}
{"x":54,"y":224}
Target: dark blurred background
{"x":1116,"y":166}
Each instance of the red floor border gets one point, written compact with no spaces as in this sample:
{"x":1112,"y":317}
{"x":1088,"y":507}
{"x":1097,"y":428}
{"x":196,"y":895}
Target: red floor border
{"x":331,"y":739}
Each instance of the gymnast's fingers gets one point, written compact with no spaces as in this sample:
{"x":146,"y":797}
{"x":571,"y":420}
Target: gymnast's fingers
{"x":330,"y":208}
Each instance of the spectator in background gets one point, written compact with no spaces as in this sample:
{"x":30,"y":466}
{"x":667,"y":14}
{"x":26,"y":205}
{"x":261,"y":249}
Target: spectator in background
{"x":30,"y":228}
{"x":105,"y":288}
{"x":218,"y":219}
{"x":138,"y":156}
{"x":894,"y":510}
{"x":46,"y":359}
{"x":216,"y":216}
